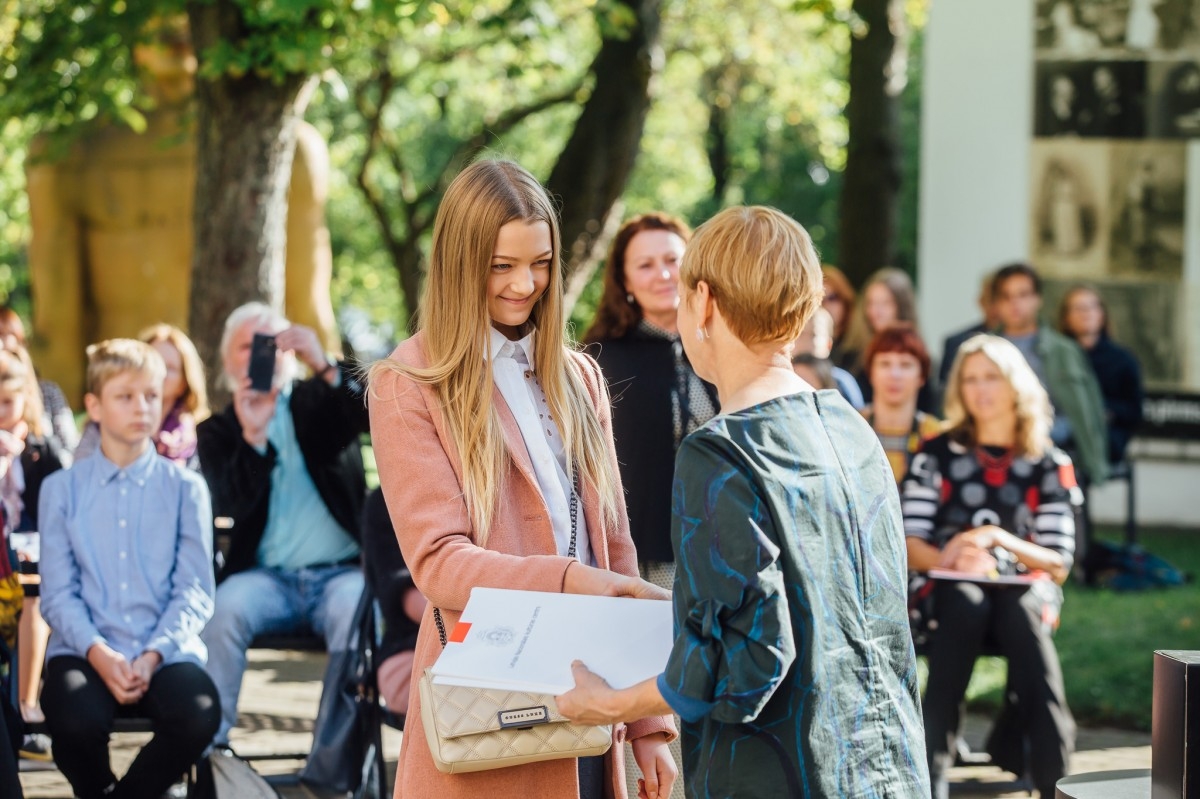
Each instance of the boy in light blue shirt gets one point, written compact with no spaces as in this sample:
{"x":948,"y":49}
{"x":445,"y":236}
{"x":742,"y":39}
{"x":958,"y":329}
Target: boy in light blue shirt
{"x":127,"y":586}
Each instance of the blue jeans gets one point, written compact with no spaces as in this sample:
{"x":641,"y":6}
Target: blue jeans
{"x":275,"y":602}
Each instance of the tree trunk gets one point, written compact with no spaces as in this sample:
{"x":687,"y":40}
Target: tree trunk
{"x":594,"y":166}
{"x":409,"y":260}
{"x":720,"y":86}
{"x":246,"y":137}
{"x":871,"y":182}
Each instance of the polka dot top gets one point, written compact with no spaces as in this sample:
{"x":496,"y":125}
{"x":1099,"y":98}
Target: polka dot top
{"x":951,"y":488}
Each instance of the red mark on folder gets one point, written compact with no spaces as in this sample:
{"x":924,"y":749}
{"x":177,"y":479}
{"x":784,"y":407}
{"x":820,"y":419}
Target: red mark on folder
{"x":459,"y":633}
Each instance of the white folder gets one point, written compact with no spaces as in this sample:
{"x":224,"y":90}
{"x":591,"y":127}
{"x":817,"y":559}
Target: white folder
{"x":526,"y":640}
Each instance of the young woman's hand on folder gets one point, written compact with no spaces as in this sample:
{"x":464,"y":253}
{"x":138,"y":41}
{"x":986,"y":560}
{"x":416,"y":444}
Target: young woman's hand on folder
{"x":581,"y":579}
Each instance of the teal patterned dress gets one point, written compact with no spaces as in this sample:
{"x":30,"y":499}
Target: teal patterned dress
{"x":793,"y":668}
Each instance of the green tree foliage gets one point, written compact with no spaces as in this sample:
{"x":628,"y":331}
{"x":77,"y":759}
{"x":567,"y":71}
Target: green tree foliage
{"x":748,"y":107}
{"x":66,"y":62}
{"x":407,"y":113}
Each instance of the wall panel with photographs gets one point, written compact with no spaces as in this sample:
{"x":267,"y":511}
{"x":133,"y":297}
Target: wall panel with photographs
{"x":1115,"y":153}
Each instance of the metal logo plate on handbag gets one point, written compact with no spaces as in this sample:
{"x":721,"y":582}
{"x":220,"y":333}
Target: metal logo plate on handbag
{"x":523,"y":717}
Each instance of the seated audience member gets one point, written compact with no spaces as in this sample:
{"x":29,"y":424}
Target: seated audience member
{"x":58,"y":411}
{"x":1060,"y":366}
{"x":839,"y":302}
{"x":185,"y":398}
{"x":656,"y":398}
{"x":27,"y":457}
{"x":1084,"y":317}
{"x":286,"y":467}
{"x":898,"y":366}
{"x":887,"y":299}
{"x":400,"y":603}
{"x":816,"y":339}
{"x":127,"y":584}
{"x":993,"y":495}
{"x":955,"y":340}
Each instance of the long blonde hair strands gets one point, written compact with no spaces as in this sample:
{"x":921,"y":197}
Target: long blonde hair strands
{"x":456,"y":326}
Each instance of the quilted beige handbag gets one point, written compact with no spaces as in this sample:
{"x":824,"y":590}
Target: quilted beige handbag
{"x":476,"y":729}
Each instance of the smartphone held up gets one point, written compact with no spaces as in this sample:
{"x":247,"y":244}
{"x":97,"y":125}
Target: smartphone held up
{"x":262,"y":362}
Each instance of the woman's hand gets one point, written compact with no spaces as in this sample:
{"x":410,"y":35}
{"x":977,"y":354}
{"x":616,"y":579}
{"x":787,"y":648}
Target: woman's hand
{"x":594,"y":701}
{"x":969,"y":552}
{"x":591,"y":701}
{"x":1030,"y":555}
{"x":658,"y":767}
{"x":581,"y":579}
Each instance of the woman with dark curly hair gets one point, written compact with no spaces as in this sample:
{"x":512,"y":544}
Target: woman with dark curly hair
{"x":657,"y":397}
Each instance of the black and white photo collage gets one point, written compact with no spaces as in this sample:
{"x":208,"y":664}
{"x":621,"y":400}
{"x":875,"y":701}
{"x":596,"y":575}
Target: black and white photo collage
{"x":1116,"y":114}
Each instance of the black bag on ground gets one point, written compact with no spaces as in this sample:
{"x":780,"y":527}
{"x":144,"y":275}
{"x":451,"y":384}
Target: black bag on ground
{"x":345,"y":753}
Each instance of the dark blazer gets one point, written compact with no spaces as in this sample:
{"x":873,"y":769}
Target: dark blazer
{"x":1120,"y":378}
{"x":950,"y":349}
{"x":328,"y":422}
{"x":640,"y":371}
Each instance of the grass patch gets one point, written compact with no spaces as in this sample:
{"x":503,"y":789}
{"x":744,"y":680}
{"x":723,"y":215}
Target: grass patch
{"x":1106,"y":641}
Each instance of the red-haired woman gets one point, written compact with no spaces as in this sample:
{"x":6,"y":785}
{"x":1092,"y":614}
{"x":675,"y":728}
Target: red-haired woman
{"x":897,"y":365}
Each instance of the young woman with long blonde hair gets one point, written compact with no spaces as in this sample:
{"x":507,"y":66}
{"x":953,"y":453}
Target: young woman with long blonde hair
{"x":494,"y":446}
{"x":992,"y":496}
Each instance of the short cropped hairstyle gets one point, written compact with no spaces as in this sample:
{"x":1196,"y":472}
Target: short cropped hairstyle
{"x":264,"y":317}
{"x":110,"y":358}
{"x":762,"y":270}
{"x":1012,"y":270}
{"x":900,"y":337}
{"x":262,"y":314}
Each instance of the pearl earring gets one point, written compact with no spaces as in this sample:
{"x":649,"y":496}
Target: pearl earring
{"x":629,"y":299}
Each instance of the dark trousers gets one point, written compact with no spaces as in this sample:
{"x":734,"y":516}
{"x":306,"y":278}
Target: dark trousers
{"x":967,"y":615}
{"x":10,"y":737}
{"x":181,"y":704}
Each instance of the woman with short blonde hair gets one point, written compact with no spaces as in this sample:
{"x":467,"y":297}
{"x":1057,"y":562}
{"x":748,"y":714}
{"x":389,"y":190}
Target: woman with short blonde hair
{"x":774,"y":498}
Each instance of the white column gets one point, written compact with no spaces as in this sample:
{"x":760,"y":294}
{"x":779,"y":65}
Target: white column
{"x":976,"y":129}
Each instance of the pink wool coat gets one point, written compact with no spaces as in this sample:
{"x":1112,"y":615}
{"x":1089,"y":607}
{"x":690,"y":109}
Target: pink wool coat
{"x":420,"y":473}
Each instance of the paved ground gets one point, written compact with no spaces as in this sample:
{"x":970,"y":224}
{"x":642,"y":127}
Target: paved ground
{"x":279,"y":702}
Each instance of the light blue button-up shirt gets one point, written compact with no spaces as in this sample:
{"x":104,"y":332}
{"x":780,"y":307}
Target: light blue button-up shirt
{"x":127,"y":558}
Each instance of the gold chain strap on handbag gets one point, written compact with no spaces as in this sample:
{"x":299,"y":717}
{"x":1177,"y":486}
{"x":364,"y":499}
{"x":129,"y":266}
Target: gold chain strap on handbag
{"x":476,"y":729}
